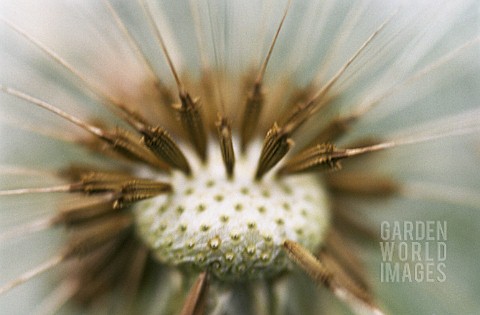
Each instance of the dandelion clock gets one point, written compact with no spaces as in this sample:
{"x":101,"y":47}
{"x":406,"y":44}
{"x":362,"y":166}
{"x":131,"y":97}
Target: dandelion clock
{"x":239,"y":157}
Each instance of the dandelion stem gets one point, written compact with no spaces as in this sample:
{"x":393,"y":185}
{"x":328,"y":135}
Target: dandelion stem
{"x":188,"y":109}
{"x":134,"y":45}
{"x":263,"y":68}
{"x":120,"y":140}
{"x":21,"y":95}
{"x":39,"y":190}
{"x":61,"y":61}
{"x":196,"y":298}
{"x":278,"y":141}
{"x":315,"y":103}
{"x":321,"y":273}
{"x":54,"y":261}
{"x":366,"y":106}
{"x":148,"y":12}
{"x":30,"y":227}
{"x":255,"y":99}
{"x":326,"y":157}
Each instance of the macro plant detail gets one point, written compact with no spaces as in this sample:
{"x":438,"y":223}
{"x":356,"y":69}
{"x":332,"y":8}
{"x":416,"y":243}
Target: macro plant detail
{"x":209,"y":157}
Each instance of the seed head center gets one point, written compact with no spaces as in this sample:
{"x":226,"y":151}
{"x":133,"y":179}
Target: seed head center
{"x":233,"y":227}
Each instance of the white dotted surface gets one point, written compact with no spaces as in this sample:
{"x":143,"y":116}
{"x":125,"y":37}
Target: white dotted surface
{"x":236,"y":227}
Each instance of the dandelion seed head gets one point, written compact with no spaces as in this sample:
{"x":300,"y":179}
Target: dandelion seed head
{"x":201,"y":177}
{"x":238,"y":224}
